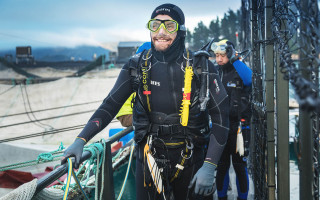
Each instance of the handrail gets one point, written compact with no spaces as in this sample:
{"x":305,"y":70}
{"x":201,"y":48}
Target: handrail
{"x":61,"y":170}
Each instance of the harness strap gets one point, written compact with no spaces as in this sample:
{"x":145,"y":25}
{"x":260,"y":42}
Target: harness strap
{"x":146,"y":79}
{"x":163,"y":130}
{"x":185,"y":156}
{"x":154,"y":170}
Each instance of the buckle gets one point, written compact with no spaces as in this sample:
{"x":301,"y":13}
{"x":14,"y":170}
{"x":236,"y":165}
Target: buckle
{"x":167,"y":129}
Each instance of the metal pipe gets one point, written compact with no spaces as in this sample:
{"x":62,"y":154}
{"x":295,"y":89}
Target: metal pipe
{"x":306,"y":169}
{"x":61,"y":170}
{"x":282,"y":113}
{"x":57,"y":173}
{"x":269,"y":78}
{"x":105,"y":176}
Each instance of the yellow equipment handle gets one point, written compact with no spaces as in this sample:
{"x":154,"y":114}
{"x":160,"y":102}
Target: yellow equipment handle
{"x":186,"y":96}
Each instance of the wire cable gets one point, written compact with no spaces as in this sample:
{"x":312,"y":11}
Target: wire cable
{"x":25,"y":108}
{"x":54,"y":108}
{"x":29,"y":105}
{"x":7,"y":90}
{"x":48,"y":118}
{"x":43,"y":133}
{"x":54,"y":131}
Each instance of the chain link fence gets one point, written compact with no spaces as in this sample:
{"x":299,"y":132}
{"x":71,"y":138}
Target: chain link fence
{"x":295,"y":40}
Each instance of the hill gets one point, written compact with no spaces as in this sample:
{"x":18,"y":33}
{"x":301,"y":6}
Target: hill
{"x":56,"y":54}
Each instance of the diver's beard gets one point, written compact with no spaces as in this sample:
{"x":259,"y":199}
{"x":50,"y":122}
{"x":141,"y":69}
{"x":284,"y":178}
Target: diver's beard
{"x":162,"y":46}
{"x":171,"y":53}
{"x":162,"y":42}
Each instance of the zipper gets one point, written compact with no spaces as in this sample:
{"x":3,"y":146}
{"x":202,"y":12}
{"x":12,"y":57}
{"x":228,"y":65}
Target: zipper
{"x":174,"y":95}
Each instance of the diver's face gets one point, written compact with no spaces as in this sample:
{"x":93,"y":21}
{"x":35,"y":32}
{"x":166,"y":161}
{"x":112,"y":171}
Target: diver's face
{"x":221,"y":59}
{"x":161,"y":39}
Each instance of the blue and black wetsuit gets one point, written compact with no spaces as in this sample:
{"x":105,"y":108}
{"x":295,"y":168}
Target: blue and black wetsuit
{"x":237,"y":81}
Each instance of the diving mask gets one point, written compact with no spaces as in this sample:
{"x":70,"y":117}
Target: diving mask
{"x":220,"y":49}
{"x":171,"y":26}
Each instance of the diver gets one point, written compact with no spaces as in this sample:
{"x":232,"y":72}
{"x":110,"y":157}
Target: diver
{"x":236,"y":77}
{"x":176,"y":150}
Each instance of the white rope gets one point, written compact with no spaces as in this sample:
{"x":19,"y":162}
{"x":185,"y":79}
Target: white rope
{"x":49,"y":194}
{"x":24,"y":192}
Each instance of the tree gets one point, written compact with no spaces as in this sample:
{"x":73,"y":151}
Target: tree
{"x":200,"y":36}
{"x":188,"y":37}
{"x":214,"y":29}
{"x":225,"y":28}
{"x":233,"y":23}
{"x":225,"y":33}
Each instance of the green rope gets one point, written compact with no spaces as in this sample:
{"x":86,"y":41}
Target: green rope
{"x":29,"y":81}
{"x":103,"y":162}
{"x":45,"y":157}
{"x":117,"y":155}
{"x":97,"y":150}
{"x":42,"y":158}
{"x":95,"y":162}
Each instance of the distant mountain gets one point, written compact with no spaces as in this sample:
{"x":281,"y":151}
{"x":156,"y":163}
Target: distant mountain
{"x":55,"y":54}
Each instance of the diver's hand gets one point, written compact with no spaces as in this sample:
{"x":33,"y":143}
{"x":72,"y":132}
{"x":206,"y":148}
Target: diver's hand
{"x":204,"y":179}
{"x":74,"y":150}
{"x":231,"y":54}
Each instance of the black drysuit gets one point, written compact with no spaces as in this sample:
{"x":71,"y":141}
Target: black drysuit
{"x":166,"y":86}
{"x":238,"y":88}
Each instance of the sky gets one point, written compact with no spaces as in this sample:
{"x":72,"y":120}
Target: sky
{"x":70,"y":23}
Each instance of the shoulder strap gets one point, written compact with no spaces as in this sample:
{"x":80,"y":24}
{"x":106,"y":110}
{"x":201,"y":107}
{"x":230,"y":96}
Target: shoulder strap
{"x":134,"y":67}
{"x":145,"y":70}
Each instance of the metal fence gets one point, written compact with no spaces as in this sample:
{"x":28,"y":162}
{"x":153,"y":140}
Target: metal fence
{"x":284,"y":37}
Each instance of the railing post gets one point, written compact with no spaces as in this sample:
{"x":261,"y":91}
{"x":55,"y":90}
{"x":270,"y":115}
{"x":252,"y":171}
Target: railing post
{"x":305,"y":124}
{"x":269,"y":68}
{"x":105,"y":177}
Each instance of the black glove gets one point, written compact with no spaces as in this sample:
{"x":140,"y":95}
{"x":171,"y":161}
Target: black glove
{"x":231,"y":54}
{"x":74,"y":150}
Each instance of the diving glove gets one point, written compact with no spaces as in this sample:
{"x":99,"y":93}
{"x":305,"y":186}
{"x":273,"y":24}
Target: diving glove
{"x":204,"y":179}
{"x":74,"y":150}
{"x":231,"y":54}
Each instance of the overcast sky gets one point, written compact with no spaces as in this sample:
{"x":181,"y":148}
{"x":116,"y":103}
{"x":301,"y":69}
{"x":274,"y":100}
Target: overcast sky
{"x":43,"y":23}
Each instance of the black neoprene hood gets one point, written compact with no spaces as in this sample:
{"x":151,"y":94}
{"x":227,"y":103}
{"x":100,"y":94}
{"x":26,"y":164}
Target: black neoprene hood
{"x":169,"y":9}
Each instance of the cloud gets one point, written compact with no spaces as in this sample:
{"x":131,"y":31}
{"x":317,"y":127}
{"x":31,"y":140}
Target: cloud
{"x":77,"y":22}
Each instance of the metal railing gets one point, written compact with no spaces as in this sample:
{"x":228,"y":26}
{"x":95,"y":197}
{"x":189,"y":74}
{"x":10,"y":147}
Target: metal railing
{"x":108,"y":189}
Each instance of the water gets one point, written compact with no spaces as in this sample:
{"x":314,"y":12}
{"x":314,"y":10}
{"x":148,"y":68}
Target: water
{"x":130,"y":187}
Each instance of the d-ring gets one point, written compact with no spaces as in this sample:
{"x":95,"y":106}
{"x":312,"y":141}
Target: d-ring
{"x":188,"y":156}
